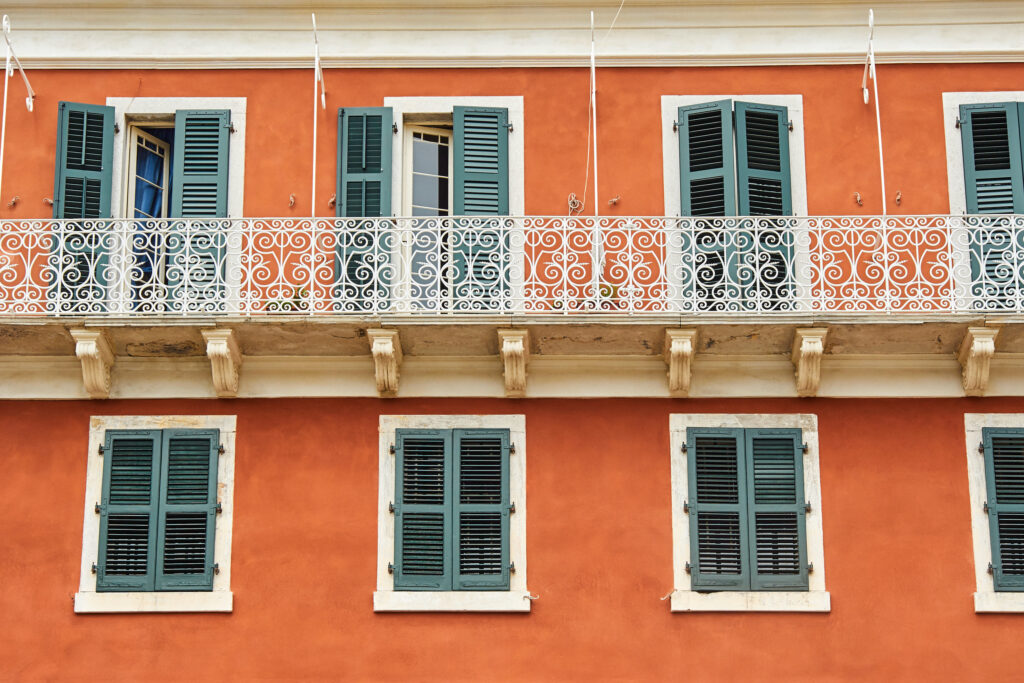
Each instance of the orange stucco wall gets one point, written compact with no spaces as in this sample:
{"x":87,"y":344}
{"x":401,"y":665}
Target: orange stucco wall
{"x":842,"y":156}
{"x":897,"y":548}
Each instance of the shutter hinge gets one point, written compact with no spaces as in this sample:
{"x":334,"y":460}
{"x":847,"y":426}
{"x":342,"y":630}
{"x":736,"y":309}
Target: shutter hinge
{"x":394,"y":128}
{"x":810,"y":567}
{"x":984,"y":506}
{"x":511,"y":567}
{"x":807,"y":506}
{"x":805,"y":449}
{"x":509,"y":126}
{"x":991,"y":569}
{"x":957,"y":125}
{"x":216,"y":568}
{"x":688,"y":568}
{"x":686,"y":507}
{"x":96,"y":569}
{"x":683,"y":449}
{"x":391,"y":568}
{"x":675,"y":126}
{"x":230,"y":127}
{"x":981,"y":447}
{"x":218,"y":508}
{"x":512,"y":508}
{"x":98,"y":508}
{"x":392,"y":449}
{"x":391,"y":508}
{"x":789,"y":125}
{"x":101,"y":449}
{"x":220,"y":449}
{"x":511,"y":449}
{"x":117,"y":128}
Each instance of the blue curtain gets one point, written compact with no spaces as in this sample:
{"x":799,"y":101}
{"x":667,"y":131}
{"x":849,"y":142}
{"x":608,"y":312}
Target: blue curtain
{"x":148,"y":202}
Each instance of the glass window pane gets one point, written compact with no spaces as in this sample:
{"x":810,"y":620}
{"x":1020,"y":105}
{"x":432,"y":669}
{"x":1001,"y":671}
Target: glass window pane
{"x":424,"y":157}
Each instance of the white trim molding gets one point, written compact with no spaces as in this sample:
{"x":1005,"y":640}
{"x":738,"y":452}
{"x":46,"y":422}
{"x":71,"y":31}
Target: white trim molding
{"x":386,"y":598}
{"x":220,"y":599}
{"x":986,"y":599}
{"x":816,"y":598}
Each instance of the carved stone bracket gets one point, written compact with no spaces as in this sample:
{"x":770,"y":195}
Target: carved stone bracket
{"x":225,"y":360}
{"x":976,"y":351}
{"x":515,"y":355}
{"x":680,"y":347}
{"x":387,"y":357}
{"x":93,"y":348}
{"x":808,"y":348}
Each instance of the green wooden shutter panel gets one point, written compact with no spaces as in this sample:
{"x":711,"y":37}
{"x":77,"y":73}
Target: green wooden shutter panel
{"x":423,"y":510}
{"x":188,"y":509}
{"x":482,"y":509}
{"x":776,"y":513}
{"x":128,"y":517}
{"x":718,"y":528}
{"x":706,"y":162}
{"x":762,"y":160}
{"x":84,"y":165}
{"x":991,"y":138}
{"x":481,"y":161}
{"x":1004,"y":477}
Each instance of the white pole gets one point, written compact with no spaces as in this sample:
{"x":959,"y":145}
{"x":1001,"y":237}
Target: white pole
{"x":593,"y":104}
{"x":869,"y":69}
{"x":316,"y":85}
{"x":8,"y":72}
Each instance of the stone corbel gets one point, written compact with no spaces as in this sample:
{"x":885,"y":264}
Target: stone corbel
{"x":680,"y":347}
{"x":93,"y":348}
{"x":387,"y":357}
{"x":808,"y":348}
{"x":976,"y":351}
{"x":515,"y":355}
{"x":225,"y":360}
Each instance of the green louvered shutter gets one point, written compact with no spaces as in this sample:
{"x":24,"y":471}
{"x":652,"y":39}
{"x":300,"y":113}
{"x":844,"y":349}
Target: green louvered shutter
{"x":423,"y":509}
{"x":362,"y":267}
{"x":706,"y":162}
{"x":481,"y":520}
{"x":718,"y":509}
{"x":128,"y":511}
{"x":81,"y":190}
{"x":482,"y":259}
{"x":199,"y":189}
{"x":1004,"y":478}
{"x":188,"y":509}
{"x":776,"y":512}
{"x":991,"y":135}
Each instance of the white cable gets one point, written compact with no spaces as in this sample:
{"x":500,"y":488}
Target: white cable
{"x":616,"y":18}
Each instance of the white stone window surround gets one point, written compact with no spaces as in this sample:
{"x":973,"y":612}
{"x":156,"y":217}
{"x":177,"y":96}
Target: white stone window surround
{"x":220,"y":599}
{"x":797,"y":170}
{"x":386,"y":598}
{"x":951,"y":102}
{"x":816,"y":599}
{"x":133,"y":110}
{"x":986,"y":599}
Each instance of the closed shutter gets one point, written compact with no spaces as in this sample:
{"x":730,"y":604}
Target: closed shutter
{"x":188,"y":509}
{"x":128,"y":511}
{"x":481,"y":525}
{"x":1004,"y":478}
{"x":81,"y":190}
{"x":482,"y":259}
{"x":423,"y":512}
{"x":706,"y":162}
{"x":199,"y":189}
{"x":718,"y":509}
{"x":991,"y":135}
{"x":364,"y":191}
{"x":776,"y":516}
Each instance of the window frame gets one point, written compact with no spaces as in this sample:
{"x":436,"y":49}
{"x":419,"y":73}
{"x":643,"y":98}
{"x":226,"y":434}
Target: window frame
{"x":385,"y":597}
{"x":683,"y":597}
{"x":88,"y":600}
{"x":986,"y":598}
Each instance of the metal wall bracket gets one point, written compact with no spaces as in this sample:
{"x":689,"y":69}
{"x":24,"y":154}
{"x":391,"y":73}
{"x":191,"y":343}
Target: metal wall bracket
{"x":387,"y":357}
{"x":975,"y":354}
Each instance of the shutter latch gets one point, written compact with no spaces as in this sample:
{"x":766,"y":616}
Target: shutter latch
{"x":101,"y":449}
{"x":958,"y":122}
{"x":391,"y":568}
{"x":984,"y":506}
{"x":391,"y":508}
{"x":810,"y":567}
{"x":96,"y":569}
{"x":216,"y":568}
{"x":392,"y":449}
{"x":220,"y":449}
{"x":807,"y":506}
{"x":687,"y":567}
{"x":686,"y":506}
{"x":789,"y":125}
{"x":511,"y":567}
{"x":805,"y":449}
{"x":394,"y":129}
{"x":512,"y":507}
{"x":683,"y":449}
{"x":981,"y":447}
{"x":218,"y":508}
{"x":991,"y":570}
{"x":511,"y":449}
{"x":99,"y":508}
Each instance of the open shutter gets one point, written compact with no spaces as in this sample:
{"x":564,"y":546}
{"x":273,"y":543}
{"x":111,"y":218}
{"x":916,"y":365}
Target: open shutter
{"x":81,"y":190}
{"x":776,"y":513}
{"x":481,"y":520}
{"x":188,"y":509}
{"x":991,"y":135}
{"x":362,"y":268}
{"x":482,"y":260}
{"x":199,"y":189}
{"x":1004,"y":478}
{"x":718,"y":509}
{"x":423,"y":543}
{"x":128,"y":511}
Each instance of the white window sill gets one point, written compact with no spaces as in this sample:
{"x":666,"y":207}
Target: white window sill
{"x":184,"y":601}
{"x":998,"y":602}
{"x":451,"y":601}
{"x":751,"y":601}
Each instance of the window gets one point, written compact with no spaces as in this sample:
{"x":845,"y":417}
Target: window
{"x":146,"y":159}
{"x":995,"y":464}
{"x":993,"y":183}
{"x":746,"y":518}
{"x":453,"y":506}
{"x":726,"y":157}
{"x":429,"y":158}
{"x":158,"y":515}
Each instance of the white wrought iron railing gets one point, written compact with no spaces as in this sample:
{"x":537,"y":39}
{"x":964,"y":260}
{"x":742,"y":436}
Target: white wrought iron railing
{"x":541,"y":266}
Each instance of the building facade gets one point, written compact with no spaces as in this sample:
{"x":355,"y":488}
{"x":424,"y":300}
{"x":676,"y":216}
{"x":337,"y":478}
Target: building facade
{"x":417,"y":401}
